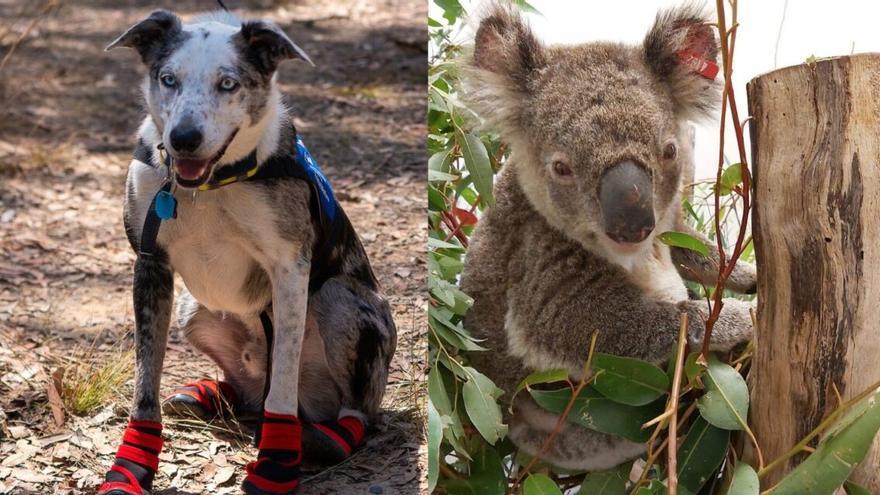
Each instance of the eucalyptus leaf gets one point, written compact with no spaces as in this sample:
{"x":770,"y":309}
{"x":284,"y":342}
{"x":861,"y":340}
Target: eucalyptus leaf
{"x":438,"y":176}
{"x":611,"y":482}
{"x":700,"y":454}
{"x":837,"y":455}
{"x":545,"y":376}
{"x":726,"y":401}
{"x":595,"y":411}
{"x":439,"y":161}
{"x":745,"y":481}
{"x":476,"y":159}
{"x":487,"y":476}
{"x":682,"y":240}
{"x":539,"y":484}
{"x":454,"y":430}
{"x":730,"y":179}
{"x":852,"y":488}
{"x":480,"y":396}
{"x":435,"y":434}
{"x":627,"y":380}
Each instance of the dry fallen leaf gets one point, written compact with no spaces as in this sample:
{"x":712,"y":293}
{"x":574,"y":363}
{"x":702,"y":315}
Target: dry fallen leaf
{"x":224,"y":475}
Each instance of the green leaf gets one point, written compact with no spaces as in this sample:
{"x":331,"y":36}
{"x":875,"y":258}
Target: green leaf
{"x":438,"y":176}
{"x":855,"y":489}
{"x":453,"y":430}
{"x":539,"y":484}
{"x":682,"y":240}
{"x":604,"y":483}
{"x":526,"y":6}
{"x":627,"y":380}
{"x":595,"y":411}
{"x":546,"y":376}
{"x":730,"y":179}
{"x":654,"y":488}
{"x":487,"y":475}
{"x":435,"y":433}
{"x":480,"y":396}
{"x":745,"y":481}
{"x":700,"y":454}
{"x":726,"y":401}
{"x":452,"y":9}
{"x":838,"y":453}
{"x":476,"y":159}
{"x":439,"y":161}
{"x":692,"y":368}
{"x":438,"y":244}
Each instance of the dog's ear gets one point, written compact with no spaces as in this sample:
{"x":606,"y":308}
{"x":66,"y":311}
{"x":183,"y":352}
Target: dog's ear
{"x":265,"y":45}
{"x":149,"y":36}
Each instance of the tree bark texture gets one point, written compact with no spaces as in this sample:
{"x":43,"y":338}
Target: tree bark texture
{"x":815,"y":133}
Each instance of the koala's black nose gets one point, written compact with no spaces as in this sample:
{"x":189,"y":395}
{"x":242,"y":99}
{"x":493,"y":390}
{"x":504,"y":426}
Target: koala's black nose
{"x":627,"y":200}
{"x":186,"y":138}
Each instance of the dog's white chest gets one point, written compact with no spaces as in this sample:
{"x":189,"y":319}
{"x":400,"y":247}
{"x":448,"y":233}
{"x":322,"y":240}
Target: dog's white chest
{"x":207,"y":249}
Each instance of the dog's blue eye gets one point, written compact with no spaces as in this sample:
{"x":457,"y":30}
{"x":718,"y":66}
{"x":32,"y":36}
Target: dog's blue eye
{"x":168,"y":80}
{"x":228,"y":84}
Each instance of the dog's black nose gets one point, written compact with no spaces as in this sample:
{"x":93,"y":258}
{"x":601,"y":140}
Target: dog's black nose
{"x":186,"y":139}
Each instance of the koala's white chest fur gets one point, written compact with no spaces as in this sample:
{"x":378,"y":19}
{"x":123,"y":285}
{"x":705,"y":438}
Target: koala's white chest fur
{"x":657,"y":277}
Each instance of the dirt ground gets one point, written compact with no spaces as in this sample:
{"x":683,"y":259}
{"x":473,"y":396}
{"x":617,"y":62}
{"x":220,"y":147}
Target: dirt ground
{"x":68,"y":112}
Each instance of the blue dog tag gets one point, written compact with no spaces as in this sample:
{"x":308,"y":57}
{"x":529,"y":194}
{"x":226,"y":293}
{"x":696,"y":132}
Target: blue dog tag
{"x":166,"y":205}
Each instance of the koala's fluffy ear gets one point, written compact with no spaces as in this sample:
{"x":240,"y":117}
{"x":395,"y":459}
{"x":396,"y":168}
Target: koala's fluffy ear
{"x":150,"y":35}
{"x":505,"y":45}
{"x":682,"y":51}
{"x":506,"y":56}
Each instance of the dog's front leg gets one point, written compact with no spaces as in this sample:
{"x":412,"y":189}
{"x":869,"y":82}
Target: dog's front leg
{"x":138,"y":456}
{"x":276,"y":470}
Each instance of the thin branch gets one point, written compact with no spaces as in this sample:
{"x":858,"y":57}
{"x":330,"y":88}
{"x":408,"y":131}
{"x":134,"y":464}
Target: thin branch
{"x":671,"y":449}
{"x":584,"y":381}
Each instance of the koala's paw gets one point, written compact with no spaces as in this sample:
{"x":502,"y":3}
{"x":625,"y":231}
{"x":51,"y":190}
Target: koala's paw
{"x":743,"y":279}
{"x":734,"y":327}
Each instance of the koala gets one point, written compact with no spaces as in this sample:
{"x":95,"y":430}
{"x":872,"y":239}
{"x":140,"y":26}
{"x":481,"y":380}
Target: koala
{"x":597,"y":136}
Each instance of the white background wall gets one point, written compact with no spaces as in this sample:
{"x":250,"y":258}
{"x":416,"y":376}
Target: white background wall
{"x":811,"y":27}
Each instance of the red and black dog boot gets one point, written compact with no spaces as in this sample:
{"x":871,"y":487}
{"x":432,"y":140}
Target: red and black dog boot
{"x":204,"y":399}
{"x":137,"y":460}
{"x":331,"y":442}
{"x":276,"y":470}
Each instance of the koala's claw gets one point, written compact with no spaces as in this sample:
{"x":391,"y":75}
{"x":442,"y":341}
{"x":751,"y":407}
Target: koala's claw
{"x":733,"y":327}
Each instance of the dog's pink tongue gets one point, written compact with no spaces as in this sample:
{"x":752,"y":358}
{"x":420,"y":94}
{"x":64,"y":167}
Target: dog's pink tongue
{"x":191,"y":169}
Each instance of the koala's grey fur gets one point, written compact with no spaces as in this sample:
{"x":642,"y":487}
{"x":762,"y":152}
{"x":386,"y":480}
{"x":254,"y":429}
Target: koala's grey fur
{"x":543,"y":274}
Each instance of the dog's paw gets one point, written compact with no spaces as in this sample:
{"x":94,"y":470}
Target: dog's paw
{"x":276,"y":470}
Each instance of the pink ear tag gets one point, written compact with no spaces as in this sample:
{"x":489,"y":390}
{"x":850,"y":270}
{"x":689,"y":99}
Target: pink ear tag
{"x":698,"y":64}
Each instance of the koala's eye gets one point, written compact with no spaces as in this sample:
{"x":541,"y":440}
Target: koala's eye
{"x":561,"y":169}
{"x":670,"y":151}
{"x":228,"y":84}
{"x":168,"y":80}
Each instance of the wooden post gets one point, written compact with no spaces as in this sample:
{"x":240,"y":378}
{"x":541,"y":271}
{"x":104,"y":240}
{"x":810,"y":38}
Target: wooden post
{"x":815,"y":133}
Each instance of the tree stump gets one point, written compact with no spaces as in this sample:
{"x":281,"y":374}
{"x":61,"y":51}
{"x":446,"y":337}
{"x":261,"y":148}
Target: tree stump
{"x":815,"y":133}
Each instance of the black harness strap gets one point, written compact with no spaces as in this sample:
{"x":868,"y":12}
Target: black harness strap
{"x":147,"y":246}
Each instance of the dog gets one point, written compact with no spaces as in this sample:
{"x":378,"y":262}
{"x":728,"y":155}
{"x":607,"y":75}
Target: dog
{"x":279,"y":290}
